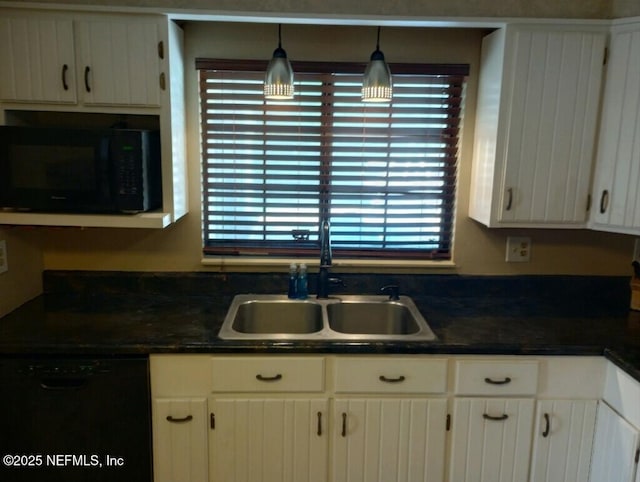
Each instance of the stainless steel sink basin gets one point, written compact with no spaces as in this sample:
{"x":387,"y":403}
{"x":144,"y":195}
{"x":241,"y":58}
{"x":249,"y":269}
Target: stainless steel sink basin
{"x":347,"y":317}
{"x":372,"y":318}
{"x":278,"y":316}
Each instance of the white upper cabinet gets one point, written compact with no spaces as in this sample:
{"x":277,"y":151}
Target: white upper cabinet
{"x":536,"y":120}
{"x":37,"y":56}
{"x":91,"y":59}
{"x":98,"y":64}
{"x":616,"y":194}
{"x":120,"y":61}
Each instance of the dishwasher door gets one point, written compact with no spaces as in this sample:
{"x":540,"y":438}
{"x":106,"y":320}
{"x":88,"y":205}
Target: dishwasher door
{"x":75,"y":420}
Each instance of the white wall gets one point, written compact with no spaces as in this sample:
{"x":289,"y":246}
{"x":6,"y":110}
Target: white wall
{"x":23,"y":281}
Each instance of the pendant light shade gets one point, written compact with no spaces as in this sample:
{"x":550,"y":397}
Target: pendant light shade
{"x":377,"y":85}
{"x":278,"y":81}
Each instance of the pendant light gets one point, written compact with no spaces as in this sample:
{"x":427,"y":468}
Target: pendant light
{"x":278,"y":81}
{"x":377,"y":86}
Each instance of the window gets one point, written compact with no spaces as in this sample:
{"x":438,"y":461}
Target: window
{"x":384,"y":175}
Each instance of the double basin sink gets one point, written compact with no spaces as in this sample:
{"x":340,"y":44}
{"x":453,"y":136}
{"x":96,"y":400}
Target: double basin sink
{"x":346,"y":317}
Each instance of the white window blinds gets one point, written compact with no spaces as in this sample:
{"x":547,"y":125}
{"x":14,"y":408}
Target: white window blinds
{"x":383,"y":174}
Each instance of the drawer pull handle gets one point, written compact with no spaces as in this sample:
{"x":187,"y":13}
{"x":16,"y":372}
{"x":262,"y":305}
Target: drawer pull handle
{"x":491,"y":381}
{"x":274,"y":378}
{"x":173,"y":419}
{"x":547,"y":427}
{"x":344,"y":424}
{"x":319,"y":424}
{"x":510,"y":200}
{"x":65,"y":69}
{"x":604,"y":201}
{"x":399,"y":379}
{"x":87,"y":71}
{"x":497,"y":418}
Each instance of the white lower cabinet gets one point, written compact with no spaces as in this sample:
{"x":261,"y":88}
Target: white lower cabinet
{"x":389,"y":440}
{"x":563,"y":440}
{"x":180,"y":440}
{"x":393,"y":418}
{"x":616,"y":446}
{"x":268,"y":439}
{"x":615,"y":450}
{"x":491,"y":439}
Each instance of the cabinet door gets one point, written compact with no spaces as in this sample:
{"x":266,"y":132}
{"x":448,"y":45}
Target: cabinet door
{"x":563,"y":440}
{"x":38,"y":59}
{"x":615,"y":448}
{"x":270,"y":440}
{"x":553,"y":105}
{"x":119,"y":61}
{"x":616,"y":200}
{"x":491,"y":440}
{"x":399,"y":440}
{"x":180,"y":440}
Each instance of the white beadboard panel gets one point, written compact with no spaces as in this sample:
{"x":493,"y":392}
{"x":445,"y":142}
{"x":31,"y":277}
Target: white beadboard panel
{"x":268,"y":440}
{"x":180,"y":449}
{"x":563,"y":440}
{"x":614,"y":448}
{"x":389,"y":440}
{"x":122,"y":56}
{"x":33,"y":52}
{"x":622,"y":393}
{"x":486,"y":137}
{"x":554,"y":101}
{"x":618,"y":160}
{"x":491,"y":450}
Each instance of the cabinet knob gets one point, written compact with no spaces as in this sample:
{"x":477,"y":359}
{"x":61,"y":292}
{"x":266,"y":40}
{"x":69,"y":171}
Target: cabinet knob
{"x":162,"y":81}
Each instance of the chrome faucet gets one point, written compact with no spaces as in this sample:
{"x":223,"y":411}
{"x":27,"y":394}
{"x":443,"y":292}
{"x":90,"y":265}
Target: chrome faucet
{"x":324,"y":280}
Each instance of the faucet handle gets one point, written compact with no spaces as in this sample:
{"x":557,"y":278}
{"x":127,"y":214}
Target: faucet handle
{"x":393,"y":290}
{"x":337,"y":282}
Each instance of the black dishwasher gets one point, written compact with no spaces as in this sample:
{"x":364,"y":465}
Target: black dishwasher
{"x":75,"y":419}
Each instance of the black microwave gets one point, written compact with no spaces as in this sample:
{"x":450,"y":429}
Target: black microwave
{"x":80,"y":170}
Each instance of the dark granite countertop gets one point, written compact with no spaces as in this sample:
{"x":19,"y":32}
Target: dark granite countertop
{"x":121,"y":314}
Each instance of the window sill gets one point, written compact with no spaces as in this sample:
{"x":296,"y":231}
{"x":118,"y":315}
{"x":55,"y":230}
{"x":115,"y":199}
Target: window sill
{"x":230,"y":262}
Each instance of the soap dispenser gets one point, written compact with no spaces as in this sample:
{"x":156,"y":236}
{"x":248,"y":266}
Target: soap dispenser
{"x":293,"y":281}
{"x":303,"y":287}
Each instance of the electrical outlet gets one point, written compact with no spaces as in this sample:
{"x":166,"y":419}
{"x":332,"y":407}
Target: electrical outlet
{"x":4,"y":265}
{"x":518,"y":249}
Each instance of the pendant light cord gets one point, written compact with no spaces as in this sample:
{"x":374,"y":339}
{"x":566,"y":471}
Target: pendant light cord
{"x":378,"y":40}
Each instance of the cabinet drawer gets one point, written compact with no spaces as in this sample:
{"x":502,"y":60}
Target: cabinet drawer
{"x":390,"y":375}
{"x":267,"y":374}
{"x":496,"y":377}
